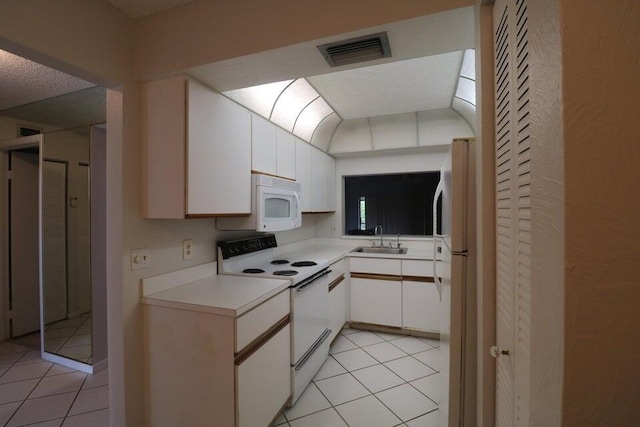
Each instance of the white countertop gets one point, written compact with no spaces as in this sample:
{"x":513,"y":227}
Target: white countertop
{"x":223,"y":295}
{"x":331,"y":250}
{"x":200,"y":289}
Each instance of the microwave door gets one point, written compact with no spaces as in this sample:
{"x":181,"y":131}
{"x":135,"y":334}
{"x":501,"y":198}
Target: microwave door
{"x":277,"y":209}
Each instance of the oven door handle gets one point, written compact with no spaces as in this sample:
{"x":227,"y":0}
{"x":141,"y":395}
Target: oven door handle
{"x":313,"y":348}
{"x":304,"y":285}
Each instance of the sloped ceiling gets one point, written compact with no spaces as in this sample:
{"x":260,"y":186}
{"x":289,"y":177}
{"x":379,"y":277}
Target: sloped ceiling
{"x":419,"y":84}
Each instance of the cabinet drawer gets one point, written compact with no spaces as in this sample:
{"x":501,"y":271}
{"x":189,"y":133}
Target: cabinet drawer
{"x":337,"y":269}
{"x":417,"y":268}
{"x":376,"y":266}
{"x":251,"y":325}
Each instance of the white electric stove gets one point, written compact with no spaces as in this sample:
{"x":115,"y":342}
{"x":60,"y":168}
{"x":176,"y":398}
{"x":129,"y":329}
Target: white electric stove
{"x":309,"y":299}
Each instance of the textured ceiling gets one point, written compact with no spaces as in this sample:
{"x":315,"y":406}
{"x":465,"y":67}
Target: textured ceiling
{"x":143,"y":8}
{"x":399,"y":87}
{"x":23,"y":81}
{"x":449,"y":31}
{"x":71,"y":110}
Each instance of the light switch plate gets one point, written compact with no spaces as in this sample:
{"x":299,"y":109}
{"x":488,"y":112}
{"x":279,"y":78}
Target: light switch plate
{"x":187,"y":249}
{"x":140,"y":258}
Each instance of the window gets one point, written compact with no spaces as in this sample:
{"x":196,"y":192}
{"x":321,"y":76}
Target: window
{"x":401,"y":203}
{"x":363,"y":213}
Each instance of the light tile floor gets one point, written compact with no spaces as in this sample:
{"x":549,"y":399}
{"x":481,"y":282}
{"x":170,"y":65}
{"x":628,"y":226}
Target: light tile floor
{"x":35,"y":392}
{"x":371,"y":379}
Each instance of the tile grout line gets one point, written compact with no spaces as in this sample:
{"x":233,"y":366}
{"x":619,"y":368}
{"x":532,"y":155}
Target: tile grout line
{"x":365,"y":387}
{"x":27,"y":398}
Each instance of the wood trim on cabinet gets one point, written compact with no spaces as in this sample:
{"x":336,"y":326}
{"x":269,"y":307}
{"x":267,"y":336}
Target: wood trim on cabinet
{"x":390,"y":277}
{"x":192,"y":216}
{"x":336,"y":282}
{"x":419,"y":279}
{"x":270,"y":174}
{"x":256,"y":344}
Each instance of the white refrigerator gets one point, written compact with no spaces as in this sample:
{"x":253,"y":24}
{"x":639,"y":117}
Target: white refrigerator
{"x":455,"y":276}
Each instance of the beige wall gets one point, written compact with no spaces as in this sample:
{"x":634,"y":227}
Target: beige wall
{"x":175,"y":40}
{"x":601,"y":65}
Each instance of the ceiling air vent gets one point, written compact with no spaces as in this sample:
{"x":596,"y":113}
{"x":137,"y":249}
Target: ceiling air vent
{"x":359,"y":49}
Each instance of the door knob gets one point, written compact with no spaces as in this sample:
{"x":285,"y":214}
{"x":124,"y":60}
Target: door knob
{"x":497,"y":352}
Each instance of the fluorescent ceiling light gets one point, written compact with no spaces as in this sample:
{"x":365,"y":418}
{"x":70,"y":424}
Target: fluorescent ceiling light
{"x":310,"y":117}
{"x":259,"y":99}
{"x":294,"y":105}
{"x":466,"y":89}
{"x":292,"y":101}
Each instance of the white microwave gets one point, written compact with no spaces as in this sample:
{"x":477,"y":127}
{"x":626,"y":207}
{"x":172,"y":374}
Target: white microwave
{"x":275,"y":206}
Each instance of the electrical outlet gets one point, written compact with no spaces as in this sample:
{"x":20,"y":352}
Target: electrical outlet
{"x":187,"y":249}
{"x":140,"y":259}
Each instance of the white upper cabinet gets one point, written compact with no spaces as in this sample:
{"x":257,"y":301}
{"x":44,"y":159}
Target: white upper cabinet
{"x":303,"y":174}
{"x":273,"y":150}
{"x":323,"y":174}
{"x":286,"y":154}
{"x":219,"y":153}
{"x":191,"y":155}
{"x":263,"y":145}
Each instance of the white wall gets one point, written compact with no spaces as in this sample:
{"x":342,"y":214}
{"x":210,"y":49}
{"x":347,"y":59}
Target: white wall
{"x":419,"y":129}
{"x":417,"y":160}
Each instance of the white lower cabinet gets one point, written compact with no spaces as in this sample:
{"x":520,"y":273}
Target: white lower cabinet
{"x":196,"y":376}
{"x":376,"y":301}
{"x":337,"y":306}
{"x":263,"y":382}
{"x":420,"y":306}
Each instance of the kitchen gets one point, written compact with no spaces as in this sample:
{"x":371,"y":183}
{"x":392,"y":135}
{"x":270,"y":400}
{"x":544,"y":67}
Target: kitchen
{"x":110,"y":61}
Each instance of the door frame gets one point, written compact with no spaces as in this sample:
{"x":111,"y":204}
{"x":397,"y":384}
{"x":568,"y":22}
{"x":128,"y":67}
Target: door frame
{"x":5,"y":148}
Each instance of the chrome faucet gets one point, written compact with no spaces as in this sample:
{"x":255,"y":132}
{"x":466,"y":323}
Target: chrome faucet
{"x":375,"y":231}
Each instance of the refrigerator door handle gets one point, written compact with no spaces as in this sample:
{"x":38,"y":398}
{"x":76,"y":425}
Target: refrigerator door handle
{"x":436,"y":279}
{"x":436,"y":196}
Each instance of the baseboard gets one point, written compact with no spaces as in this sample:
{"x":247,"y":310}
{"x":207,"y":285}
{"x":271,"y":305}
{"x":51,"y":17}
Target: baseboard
{"x":393,"y":330}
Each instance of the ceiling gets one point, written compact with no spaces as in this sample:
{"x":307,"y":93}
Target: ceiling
{"x":423,"y":74}
{"x":23,"y":81}
{"x":419,"y":84}
{"x":137,"y":9}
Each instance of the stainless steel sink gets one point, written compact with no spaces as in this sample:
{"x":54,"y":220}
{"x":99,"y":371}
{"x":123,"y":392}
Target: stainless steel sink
{"x":396,"y":251}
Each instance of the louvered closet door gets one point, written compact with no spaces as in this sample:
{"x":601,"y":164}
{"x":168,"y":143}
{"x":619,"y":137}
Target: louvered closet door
{"x":513,"y":211}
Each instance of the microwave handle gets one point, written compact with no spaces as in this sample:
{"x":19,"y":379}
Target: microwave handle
{"x":298,"y":206}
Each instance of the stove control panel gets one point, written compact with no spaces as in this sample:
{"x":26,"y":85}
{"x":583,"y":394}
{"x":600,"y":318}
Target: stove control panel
{"x":233,"y":248}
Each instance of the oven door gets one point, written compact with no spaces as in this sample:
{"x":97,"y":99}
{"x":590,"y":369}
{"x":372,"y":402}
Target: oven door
{"x":277,"y":209}
{"x":310,"y":310}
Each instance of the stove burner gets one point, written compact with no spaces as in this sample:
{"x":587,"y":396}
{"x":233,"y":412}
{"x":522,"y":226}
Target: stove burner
{"x":304,"y":264}
{"x":285,"y":273}
{"x":279,"y":261}
{"x":253,"y":270}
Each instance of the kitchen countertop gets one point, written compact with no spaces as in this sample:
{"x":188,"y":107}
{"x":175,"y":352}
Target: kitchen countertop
{"x":325,"y":251}
{"x":223,"y":295}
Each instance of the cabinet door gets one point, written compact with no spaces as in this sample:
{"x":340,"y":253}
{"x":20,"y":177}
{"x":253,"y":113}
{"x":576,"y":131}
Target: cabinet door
{"x":163,"y":142}
{"x":376,"y":301}
{"x":286,"y":154}
{"x":263,"y":382}
{"x":330,"y":183}
{"x":263,"y":145}
{"x":337,"y":309}
{"x":303,"y":174}
{"x":420,"y":306}
{"x":318,"y":183}
{"x":219,"y":154}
